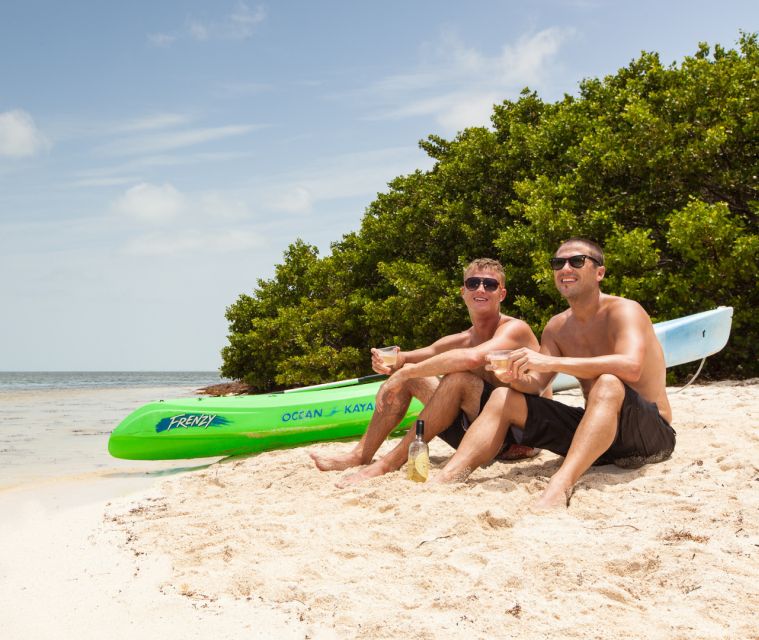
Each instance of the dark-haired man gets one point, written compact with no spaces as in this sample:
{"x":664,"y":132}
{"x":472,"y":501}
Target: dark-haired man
{"x":452,"y":402}
{"x":609,"y":344}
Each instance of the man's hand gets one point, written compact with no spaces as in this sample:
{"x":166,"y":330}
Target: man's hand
{"x":504,"y":374}
{"x":379,"y":366}
{"x":524,"y":361}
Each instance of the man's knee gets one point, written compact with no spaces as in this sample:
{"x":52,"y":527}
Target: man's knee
{"x":499,"y":395}
{"x":461,"y":382}
{"x":418,"y":386}
{"x":510,"y":403}
{"x":607,"y":389}
{"x":459,"y":378}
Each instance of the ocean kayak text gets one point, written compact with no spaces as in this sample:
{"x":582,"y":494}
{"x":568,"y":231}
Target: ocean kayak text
{"x":306,"y":414}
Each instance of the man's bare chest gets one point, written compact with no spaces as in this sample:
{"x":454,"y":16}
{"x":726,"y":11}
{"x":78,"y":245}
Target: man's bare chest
{"x":585,"y":341}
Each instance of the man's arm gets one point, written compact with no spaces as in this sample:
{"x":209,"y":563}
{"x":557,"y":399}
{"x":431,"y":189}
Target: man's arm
{"x":510,"y":335}
{"x":627,"y":325}
{"x":445,"y":343}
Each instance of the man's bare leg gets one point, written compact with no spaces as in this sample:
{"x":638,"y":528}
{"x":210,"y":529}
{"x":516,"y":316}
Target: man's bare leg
{"x":594,"y":435}
{"x":485,"y":436}
{"x":380,"y":426}
{"x":456,"y":391}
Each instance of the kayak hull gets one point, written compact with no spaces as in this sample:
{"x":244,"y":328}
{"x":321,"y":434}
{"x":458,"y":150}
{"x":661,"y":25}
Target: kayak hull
{"x":205,"y":427}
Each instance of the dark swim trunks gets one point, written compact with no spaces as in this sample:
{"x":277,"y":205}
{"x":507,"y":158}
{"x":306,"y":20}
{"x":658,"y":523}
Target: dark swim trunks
{"x":643,"y":436}
{"x":455,"y":433}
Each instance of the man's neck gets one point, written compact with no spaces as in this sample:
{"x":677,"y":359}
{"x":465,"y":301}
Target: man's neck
{"x":586,"y":307}
{"x":484,"y":326}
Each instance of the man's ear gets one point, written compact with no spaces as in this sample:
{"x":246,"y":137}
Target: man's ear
{"x":503,"y":293}
{"x":601,"y":272}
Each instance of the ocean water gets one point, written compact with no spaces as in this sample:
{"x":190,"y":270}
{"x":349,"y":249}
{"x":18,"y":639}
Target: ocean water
{"x":25,"y":380}
{"x":55,"y":425}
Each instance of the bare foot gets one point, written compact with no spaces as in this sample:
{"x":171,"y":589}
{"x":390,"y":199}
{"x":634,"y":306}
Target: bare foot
{"x":518,"y":452}
{"x":371,"y":471}
{"x":552,"y":499}
{"x":335,"y":463}
{"x":451,"y":476}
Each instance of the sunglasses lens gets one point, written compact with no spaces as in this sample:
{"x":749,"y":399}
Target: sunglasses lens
{"x":577,"y":261}
{"x":489,"y":284}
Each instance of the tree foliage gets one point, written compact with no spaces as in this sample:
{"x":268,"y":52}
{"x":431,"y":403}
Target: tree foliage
{"x":657,"y":163}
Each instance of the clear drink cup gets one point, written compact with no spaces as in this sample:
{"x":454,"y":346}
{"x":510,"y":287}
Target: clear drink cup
{"x":500,"y":359}
{"x":389,"y":355}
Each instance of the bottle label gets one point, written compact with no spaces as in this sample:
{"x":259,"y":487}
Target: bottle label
{"x":419,"y":467}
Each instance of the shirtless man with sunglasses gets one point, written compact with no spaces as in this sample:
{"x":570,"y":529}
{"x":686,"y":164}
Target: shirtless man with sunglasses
{"x":609,"y":344}
{"x":451,"y":402}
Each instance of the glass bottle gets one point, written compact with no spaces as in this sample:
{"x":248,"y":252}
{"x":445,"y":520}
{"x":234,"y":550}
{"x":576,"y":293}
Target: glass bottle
{"x":418,"y":467}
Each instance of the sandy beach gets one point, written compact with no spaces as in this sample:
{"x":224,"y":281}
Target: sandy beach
{"x":267,"y":547}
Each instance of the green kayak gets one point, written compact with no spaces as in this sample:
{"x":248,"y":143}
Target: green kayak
{"x":205,"y":427}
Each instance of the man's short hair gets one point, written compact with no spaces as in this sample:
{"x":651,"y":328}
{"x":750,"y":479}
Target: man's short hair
{"x":486,"y":264}
{"x":595,"y":249}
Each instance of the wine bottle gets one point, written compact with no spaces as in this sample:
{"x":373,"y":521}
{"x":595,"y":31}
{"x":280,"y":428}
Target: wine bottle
{"x":418,"y":468}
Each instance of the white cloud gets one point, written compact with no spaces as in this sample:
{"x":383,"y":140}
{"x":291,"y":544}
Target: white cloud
{"x":526,"y":62}
{"x":160,"y":205}
{"x":219,"y":206}
{"x":155,"y":121}
{"x":360,"y":174}
{"x":161,"y":39}
{"x":245,"y":88}
{"x":207,"y":241}
{"x":101,"y":181}
{"x":240,"y":24}
{"x":151,"y":203}
{"x":19,"y":136}
{"x":464,"y":111}
{"x":458,"y":85}
{"x":164,"y":141}
{"x":291,"y":199}
{"x":134,"y":169}
{"x":197,"y":30}
{"x":161,"y":219}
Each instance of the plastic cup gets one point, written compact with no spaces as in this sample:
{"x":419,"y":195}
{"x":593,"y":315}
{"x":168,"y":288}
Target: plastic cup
{"x":500,"y":359}
{"x":389,"y":355}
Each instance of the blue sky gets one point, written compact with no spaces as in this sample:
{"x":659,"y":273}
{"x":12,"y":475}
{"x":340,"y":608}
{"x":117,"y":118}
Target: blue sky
{"x":156,"y":158}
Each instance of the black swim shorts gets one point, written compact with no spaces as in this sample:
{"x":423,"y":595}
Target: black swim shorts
{"x":455,"y":433}
{"x":643,"y":436}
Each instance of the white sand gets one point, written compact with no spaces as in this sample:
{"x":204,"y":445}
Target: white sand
{"x":266,"y":546}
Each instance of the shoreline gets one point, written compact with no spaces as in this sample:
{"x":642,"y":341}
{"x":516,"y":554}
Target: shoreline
{"x":63,"y":432}
{"x":267,"y":546}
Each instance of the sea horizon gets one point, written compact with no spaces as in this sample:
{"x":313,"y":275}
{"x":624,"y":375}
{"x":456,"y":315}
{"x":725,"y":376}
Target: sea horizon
{"x":98,"y":379}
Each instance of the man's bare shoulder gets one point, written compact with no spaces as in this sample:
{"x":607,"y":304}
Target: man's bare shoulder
{"x":509,"y":324}
{"x":623,"y":309}
{"x":557,"y":322}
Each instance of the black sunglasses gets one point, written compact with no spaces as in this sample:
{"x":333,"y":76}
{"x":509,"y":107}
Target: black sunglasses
{"x":576,"y":262}
{"x":489,"y":284}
